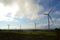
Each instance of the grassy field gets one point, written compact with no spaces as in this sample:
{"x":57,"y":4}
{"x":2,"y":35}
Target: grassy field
{"x":28,"y":35}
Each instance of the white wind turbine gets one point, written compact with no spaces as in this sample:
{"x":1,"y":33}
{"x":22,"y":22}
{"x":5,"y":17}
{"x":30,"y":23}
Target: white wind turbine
{"x":49,"y":17}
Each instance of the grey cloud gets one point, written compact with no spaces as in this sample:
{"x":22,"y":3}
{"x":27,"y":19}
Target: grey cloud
{"x":6,"y":1}
{"x":29,"y":9}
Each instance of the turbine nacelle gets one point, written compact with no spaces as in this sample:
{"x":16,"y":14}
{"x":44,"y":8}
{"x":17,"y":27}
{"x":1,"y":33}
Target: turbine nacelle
{"x":46,"y":14}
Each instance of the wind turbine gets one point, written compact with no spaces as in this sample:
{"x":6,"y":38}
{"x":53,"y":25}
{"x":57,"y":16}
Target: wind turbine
{"x":49,"y":17}
{"x":35,"y":25}
{"x":8,"y":26}
{"x":20,"y":26}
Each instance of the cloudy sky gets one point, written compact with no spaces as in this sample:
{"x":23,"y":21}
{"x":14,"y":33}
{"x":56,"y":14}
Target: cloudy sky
{"x":26,"y":13}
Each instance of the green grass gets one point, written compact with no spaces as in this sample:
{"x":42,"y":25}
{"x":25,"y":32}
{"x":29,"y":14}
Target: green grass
{"x":28,"y":35}
{"x":31,"y":32}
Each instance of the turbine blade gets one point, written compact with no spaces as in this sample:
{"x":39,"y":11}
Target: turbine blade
{"x":52,"y":9}
{"x":51,"y":19}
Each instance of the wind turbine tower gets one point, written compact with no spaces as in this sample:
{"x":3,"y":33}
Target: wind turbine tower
{"x":8,"y":26}
{"x":20,"y":26}
{"x":34,"y":25}
{"x":49,"y":17}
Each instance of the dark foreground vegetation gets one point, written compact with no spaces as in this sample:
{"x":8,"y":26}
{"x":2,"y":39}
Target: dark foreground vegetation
{"x":30,"y":34}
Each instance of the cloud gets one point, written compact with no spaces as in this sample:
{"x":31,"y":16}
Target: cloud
{"x":58,"y":19}
{"x":8,"y":9}
{"x":57,"y":12}
{"x":11,"y":9}
{"x":30,"y":26}
{"x":29,"y":10}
